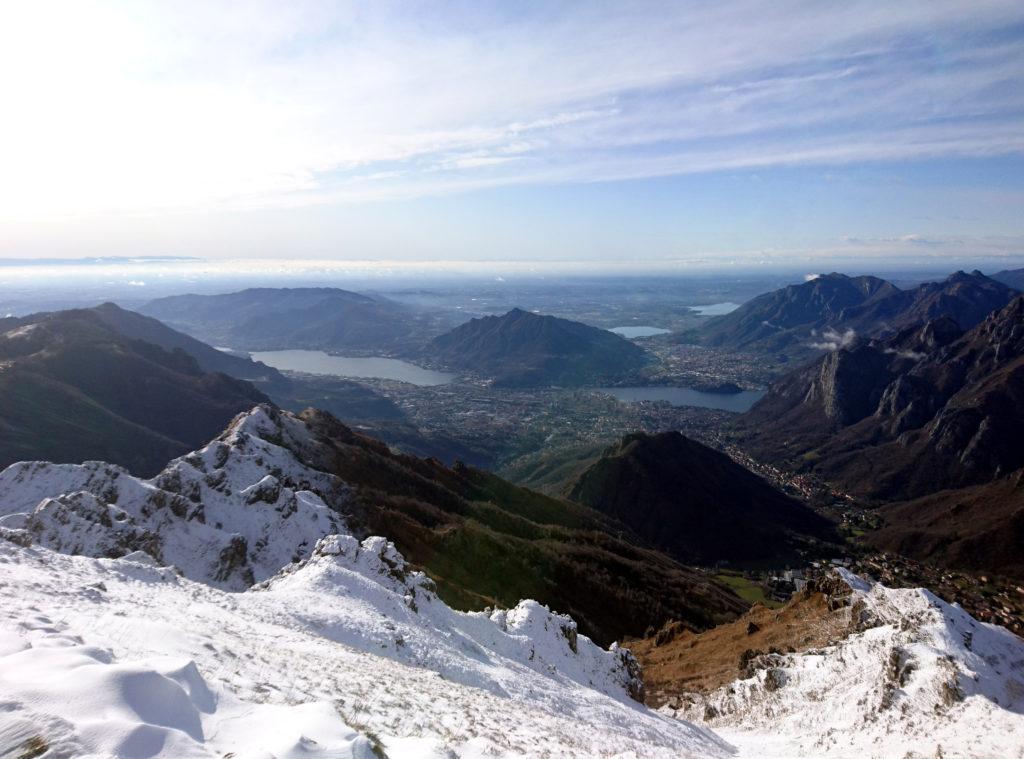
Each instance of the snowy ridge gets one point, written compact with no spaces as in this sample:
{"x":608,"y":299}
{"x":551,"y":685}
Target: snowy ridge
{"x":123,"y":633}
{"x":230,"y":514}
{"x":917,"y":677}
{"x":490,"y":648}
{"x":336,"y":643}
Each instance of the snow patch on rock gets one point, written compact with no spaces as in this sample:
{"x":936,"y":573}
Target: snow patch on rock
{"x":230,"y":514}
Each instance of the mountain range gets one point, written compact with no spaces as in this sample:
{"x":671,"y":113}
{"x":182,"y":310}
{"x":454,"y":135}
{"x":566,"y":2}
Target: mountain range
{"x":523,"y":349}
{"x":312,"y":318}
{"x":927,"y":409}
{"x":927,"y":421}
{"x":829,"y":311}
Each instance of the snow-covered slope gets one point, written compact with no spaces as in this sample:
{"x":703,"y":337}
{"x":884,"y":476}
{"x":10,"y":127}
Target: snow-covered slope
{"x":338,"y":642}
{"x":121,"y":657}
{"x":916,"y":678}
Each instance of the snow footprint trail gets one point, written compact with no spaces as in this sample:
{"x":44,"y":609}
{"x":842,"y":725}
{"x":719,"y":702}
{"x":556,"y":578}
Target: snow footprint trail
{"x":273,"y":671}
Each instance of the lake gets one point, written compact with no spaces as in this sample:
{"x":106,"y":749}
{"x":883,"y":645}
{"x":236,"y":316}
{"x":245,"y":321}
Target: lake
{"x":686,"y":396}
{"x":715,"y":309}
{"x":632,"y":332}
{"x":318,"y":362}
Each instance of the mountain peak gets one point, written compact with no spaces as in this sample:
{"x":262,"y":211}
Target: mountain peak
{"x":521,"y":348}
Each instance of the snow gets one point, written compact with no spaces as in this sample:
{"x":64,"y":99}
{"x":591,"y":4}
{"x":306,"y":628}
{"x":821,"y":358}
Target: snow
{"x":918,"y":678}
{"x":187,"y":669}
{"x":240,"y":616}
{"x":223,"y":607}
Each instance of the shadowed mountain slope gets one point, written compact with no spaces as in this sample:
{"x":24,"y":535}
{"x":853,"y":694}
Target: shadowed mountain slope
{"x":72,"y":388}
{"x":697,"y":504}
{"x":139,"y":327}
{"x":486,"y":541}
{"x":980,"y":528}
{"x":1011,"y":278}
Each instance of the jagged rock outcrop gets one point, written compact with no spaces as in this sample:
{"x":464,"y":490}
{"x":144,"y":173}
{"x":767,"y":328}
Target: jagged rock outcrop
{"x":217,"y":514}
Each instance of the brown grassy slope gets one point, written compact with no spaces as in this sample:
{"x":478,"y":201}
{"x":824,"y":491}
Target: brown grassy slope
{"x":677,"y":661}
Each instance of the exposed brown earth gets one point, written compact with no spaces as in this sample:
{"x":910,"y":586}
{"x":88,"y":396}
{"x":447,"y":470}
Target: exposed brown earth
{"x":677,"y":660}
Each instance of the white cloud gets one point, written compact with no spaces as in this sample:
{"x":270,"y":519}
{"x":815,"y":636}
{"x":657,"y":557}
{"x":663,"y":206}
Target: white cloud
{"x":833,"y":340}
{"x":145,"y":106}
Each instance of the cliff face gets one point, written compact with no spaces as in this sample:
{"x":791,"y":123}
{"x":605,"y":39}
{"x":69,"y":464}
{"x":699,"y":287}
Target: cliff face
{"x":927,"y":409}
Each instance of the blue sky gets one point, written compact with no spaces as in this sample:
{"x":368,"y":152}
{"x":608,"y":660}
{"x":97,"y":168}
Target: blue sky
{"x":665,"y":134}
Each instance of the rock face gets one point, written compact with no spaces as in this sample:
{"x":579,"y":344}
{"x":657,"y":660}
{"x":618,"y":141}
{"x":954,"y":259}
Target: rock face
{"x":522,"y":349}
{"x":832,"y":310}
{"x":697,"y":504}
{"x":910,"y":674}
{"x":75,"y":388}
{"x":925,"y":410}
